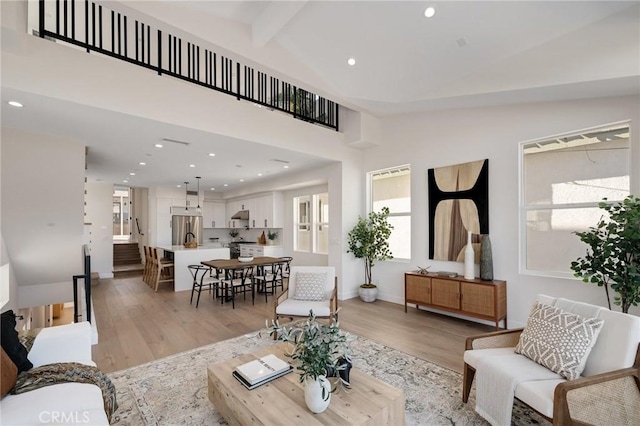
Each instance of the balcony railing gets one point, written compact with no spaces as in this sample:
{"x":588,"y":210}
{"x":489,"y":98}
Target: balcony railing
{"x":97,"y":28}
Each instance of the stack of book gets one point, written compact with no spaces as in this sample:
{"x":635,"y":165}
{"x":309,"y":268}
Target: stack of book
{"x":260,"y":371}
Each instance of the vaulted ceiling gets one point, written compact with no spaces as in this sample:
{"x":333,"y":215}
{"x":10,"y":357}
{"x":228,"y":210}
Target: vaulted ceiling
{"x":469,"y":54}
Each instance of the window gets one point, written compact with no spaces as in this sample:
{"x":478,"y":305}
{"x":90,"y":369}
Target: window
{"x":311,"y":213}
{"x":563,"y":180}
{"x":392,"y":188}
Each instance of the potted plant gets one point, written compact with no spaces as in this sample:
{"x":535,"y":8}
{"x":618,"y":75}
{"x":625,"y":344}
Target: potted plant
{"x":613,"y":255}
{"x":317,"y":349}
{"x":369,"y":240}
{"x":272,"y":235}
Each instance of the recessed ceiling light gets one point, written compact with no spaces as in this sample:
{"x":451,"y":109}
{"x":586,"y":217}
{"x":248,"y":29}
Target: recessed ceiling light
{"x":192,"y":165}
{"x":125,"y":181}
{"x":226,"y":184}
{"x":132,"y":174}
{"x":429,"y":12}
{"x":211,"y":154}
{"x":15,"y":104}
{"x":259,"y":174}
{"x":351,"y":61}
{"x":158,"y":145}
{"x":178,"y":186}
{"x":142,"y":163}
{"x":213,"y":189}
{"x":285,"y":167}
{"x":241,"y":180}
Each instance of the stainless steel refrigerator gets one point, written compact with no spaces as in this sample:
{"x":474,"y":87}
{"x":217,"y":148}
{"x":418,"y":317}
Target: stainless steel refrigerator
{"x":181,"y":226}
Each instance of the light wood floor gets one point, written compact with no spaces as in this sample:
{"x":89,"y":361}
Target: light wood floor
{"x":136,"y":325}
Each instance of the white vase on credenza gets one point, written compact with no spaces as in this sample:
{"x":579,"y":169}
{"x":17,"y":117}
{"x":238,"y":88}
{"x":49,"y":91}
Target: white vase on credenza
{"x":317,"y":394}
{"x":469,"y":259}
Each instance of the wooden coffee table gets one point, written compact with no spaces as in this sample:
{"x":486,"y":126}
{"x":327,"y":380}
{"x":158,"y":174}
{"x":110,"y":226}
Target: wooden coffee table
{"x":281,"y":401}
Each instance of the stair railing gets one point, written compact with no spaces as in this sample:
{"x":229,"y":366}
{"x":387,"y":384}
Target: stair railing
{"x":77,"y":291}
{"x":112,"y":33}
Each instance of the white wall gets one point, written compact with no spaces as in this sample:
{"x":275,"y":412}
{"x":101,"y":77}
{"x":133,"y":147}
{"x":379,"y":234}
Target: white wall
{"x":42,"y":213}
{"x":442,"y":138}
{"x":8,"y":282}
{"x":98,"y":212}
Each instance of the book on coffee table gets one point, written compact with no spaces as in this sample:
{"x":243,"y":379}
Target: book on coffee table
{"x":262,"y":369}
{"x":262,"y":382}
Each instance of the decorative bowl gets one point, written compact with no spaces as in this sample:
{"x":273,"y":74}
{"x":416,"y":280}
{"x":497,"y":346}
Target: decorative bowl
{"x":245,"y":259}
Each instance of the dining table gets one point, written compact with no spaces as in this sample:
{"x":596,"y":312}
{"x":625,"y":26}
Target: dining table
{"x":229,"y":265}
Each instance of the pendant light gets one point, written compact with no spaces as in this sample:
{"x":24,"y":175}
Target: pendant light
{"x":186,"y":194}
{"x":199,"y":209}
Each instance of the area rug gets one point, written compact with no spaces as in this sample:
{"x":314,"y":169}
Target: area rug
{"x":173,"y":390}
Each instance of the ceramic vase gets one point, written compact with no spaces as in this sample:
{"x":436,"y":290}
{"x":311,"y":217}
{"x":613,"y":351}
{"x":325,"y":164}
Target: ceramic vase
{"x":317,"y":394}
{"x":469,"y":259}
{"x":486,"y":259}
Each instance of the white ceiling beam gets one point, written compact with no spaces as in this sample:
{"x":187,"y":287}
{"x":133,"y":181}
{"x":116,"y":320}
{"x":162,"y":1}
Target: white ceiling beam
{"x":273,"y":19}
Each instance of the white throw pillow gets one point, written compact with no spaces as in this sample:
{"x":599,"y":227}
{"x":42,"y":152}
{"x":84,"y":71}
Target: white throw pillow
{"x":310,"y":286}
{"x":559,"y":340}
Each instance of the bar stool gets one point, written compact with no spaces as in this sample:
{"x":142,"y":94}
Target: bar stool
{"x":163,"y":269}
{"x":203,"y":276}
{"x":148,"y":265}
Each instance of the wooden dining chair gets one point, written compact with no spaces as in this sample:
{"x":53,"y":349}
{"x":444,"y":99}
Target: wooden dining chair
{"x":147,"y":272}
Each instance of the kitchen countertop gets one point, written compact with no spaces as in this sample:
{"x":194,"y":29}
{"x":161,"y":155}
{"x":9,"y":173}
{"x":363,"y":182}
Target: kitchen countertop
{"x":201,"y":247}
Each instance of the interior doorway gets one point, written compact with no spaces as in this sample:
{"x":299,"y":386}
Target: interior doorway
{"x":121,"y":214}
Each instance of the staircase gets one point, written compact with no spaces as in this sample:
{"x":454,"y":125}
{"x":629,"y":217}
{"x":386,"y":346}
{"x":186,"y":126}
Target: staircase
{"x":126,"y":260}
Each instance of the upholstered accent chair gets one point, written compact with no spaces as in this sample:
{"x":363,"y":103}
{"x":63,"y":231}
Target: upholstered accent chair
{"x":310,"y":288}
{"x":607,"y":391}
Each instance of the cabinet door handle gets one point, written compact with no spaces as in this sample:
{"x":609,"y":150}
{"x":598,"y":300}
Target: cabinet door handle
{"x":254,"y":223}
{"x":265,"y":223}
{"x":213,"y":223}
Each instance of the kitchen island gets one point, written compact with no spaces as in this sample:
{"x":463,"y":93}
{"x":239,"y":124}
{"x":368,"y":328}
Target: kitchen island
{"x":183,"y":257}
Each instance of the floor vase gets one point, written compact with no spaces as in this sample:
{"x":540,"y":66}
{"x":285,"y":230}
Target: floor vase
{"x":486,"y":259}
{"x":317,"y":394}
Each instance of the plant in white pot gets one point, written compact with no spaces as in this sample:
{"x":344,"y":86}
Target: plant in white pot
{"x":369,"y":240}
{"x":317,"y":350}
{"x":271,"y":236}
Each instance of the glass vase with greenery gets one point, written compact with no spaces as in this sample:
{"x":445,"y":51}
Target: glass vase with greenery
{"x":369,"y":240}
{"x":613,"y":253}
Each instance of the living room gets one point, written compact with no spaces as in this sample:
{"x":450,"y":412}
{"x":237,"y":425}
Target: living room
{"x":425,"y":140}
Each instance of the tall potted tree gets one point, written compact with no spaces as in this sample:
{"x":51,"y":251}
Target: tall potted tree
{"x":613,"y":253}
{"x":369,"y":240}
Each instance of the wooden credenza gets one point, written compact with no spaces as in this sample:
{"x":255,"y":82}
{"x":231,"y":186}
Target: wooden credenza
{"x":475,"y":298}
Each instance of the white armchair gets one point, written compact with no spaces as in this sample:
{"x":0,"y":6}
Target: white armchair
{"x":292,"y":303}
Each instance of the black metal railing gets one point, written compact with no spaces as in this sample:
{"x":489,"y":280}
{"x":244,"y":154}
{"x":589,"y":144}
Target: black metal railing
{"x":96,"y":28}
{"x":77,"y":294}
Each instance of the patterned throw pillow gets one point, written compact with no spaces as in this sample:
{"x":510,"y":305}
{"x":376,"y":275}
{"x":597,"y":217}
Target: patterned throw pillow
{"x":559,"y":340}
{"x":310,"y":286}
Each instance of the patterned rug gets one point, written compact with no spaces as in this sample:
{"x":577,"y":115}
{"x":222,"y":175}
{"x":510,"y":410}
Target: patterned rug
{"x":173,"y":390}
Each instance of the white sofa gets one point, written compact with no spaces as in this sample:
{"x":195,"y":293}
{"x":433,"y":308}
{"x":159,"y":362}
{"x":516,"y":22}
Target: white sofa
{"x":608,"y":391}
{"x":61,"y":404}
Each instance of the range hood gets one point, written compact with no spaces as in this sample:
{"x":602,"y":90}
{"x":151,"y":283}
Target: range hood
{"x":241,"y":215}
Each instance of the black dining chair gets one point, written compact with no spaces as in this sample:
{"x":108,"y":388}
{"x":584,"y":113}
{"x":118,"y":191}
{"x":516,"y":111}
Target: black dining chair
{"x":203,"y":276}
{"x":270,"y":279}
{"x":239,"y":280}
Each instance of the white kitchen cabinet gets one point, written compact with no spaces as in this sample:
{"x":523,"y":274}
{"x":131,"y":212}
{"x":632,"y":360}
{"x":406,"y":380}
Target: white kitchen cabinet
{"x":260,"y":250}
{"x":270,"y":210}
{"x":214,"y":214}
{"x":163,"y":221}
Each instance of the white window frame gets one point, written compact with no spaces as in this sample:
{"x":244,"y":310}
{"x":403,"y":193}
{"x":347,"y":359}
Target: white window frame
{"x":524,"y":208}
{"x":313,"y":224}
{"x":370,"y":176}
